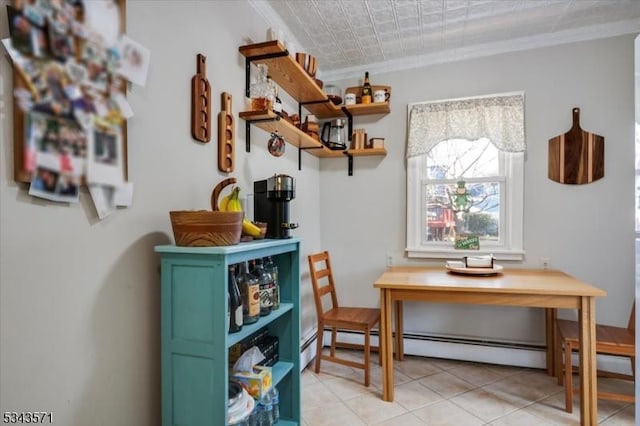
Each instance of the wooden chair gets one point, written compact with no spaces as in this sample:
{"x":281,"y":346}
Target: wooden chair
{"x":338,"y":317}
{"x":610,"y":340}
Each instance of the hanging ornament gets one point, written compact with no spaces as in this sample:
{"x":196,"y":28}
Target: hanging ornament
{"x":276,"y":144}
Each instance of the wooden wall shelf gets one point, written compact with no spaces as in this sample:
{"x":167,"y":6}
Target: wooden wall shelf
{"x":327,"y":153}
{"x":270,"y":122}
{"x":293,"y":79}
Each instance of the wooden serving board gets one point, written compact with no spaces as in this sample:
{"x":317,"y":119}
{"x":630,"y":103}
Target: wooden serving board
{"x":226,"y":135}
{"x":201,"y":102}
{"x":577,"y":156}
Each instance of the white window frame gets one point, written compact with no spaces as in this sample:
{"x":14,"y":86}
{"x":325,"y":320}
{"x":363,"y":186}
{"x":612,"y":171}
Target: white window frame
{"x":511,"y":225}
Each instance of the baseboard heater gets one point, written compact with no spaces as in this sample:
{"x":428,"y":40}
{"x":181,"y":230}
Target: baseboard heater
{"x":449,"y":347}
{"x":463,"y":349}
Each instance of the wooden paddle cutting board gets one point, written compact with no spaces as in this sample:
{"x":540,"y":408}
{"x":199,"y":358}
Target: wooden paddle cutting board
{"x":576,"y":157}
{"x":226,"y":135}
{"x":201,"y":102}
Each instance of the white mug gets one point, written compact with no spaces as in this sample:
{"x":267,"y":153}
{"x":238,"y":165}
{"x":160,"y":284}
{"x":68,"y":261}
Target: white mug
{"x":350,"y":99}
{"x":381,"y":96}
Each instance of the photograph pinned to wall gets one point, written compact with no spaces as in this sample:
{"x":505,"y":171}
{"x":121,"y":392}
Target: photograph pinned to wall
{"x":60,"y":43}
{"x":77,"y":71}
{"x":20,"y":30}
{"x":54,"y":142}
{"x":51,"y":183}
{"x":134,"y":65}
{"x":105,"y":162}
{"x":50,"y":83}
{"x":103,"y":199}
{"x":25,"y":66}
{"x":34,"y":14}
{"x":107,"y":198}
{"x":94,"y":56}
{"x":103,"y":17}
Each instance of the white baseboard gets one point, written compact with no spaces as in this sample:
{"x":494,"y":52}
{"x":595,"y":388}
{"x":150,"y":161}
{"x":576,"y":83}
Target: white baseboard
{"x":308,"y":350}
{"x":467,"y":350}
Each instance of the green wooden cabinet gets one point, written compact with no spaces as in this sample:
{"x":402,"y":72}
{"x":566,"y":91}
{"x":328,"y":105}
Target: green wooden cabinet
{"x":195,"y":341}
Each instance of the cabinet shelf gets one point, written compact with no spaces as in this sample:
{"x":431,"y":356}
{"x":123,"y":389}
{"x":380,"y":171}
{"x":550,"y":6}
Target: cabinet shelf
{"x":194,"y":335}
{"x":249,"y":329}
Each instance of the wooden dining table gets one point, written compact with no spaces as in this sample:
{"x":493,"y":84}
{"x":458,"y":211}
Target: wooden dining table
{"x":548,"y":289}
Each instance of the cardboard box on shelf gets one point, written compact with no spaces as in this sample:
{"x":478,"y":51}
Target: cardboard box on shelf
{"x":254,"y":339}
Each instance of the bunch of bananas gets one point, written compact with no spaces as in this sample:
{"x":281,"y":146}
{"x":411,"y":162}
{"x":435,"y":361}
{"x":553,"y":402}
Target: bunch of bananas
{"x":231,"y":203}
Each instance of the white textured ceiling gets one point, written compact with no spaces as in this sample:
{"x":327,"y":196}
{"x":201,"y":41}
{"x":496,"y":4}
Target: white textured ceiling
{"x":348,"y":36}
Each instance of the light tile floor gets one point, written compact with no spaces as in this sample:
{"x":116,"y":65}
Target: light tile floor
{"x":430,"y":391}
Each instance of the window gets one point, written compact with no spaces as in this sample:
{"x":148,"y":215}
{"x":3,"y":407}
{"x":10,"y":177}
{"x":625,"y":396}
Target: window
{"x":469,"y":183}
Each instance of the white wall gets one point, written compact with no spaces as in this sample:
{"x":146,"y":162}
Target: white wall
{"x":79,"y":297}
{"x":585,"y":230}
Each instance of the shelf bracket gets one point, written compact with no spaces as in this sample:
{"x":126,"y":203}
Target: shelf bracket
{"x":247,"y":136}
{"x":349,"y":164}
{"x":247,"y":127}
{"x":350,"y":123}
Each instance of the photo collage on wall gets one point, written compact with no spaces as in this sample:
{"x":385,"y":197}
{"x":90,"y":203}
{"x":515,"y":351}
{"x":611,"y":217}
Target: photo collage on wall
{"x":73,"y":78}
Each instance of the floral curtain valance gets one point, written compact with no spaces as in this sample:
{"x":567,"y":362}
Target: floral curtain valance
{"x":498,"y":118}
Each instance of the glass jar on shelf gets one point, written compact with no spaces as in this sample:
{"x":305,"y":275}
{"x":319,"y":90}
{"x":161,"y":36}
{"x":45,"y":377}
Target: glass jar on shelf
{"x":261,"y":91}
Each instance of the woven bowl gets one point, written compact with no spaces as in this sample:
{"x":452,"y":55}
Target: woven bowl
{"x":206,"y":228}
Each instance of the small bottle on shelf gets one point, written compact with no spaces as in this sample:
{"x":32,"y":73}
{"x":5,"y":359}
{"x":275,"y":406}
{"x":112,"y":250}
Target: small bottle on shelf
{"x":277,"y":103}
{"x":235,"y":303}
{"x":366,"y":89}
{"x":270,"y":266}
{"x":250,"y":291}
{"x":266,"y":288}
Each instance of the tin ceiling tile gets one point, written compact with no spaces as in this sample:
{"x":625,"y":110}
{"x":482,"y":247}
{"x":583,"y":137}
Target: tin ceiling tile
{"x":430,"y":27}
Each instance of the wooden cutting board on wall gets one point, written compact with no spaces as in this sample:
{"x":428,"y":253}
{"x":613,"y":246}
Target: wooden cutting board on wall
{"x":576,"y":157}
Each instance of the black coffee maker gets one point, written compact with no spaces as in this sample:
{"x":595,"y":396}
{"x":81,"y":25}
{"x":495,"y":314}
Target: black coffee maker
{"x":271,"y":204}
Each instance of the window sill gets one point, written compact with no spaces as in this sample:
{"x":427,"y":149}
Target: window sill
{"x":451,"y":253}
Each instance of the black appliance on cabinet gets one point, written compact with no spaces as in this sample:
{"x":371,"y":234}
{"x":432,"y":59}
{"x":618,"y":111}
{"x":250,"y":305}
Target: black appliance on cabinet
{"x":271,"y":204}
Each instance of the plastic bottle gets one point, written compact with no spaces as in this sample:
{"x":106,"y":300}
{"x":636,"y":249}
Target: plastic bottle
{"x":265,"y":417}
{"x":275,"y":402}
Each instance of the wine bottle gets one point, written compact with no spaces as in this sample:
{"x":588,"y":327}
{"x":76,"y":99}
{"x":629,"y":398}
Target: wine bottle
{"x":250,"y":291}
{"x":366,"y":89}
{"x":271,"y":268}
{"x":235,"y":303}
{"x":266,"y":288}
